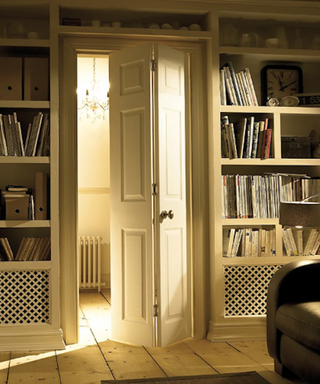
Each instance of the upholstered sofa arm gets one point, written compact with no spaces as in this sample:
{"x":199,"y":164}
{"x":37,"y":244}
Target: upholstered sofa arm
{"x":298,"y":281}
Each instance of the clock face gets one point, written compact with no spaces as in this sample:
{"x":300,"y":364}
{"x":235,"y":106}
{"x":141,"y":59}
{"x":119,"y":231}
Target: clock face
{"x":281,"y":81}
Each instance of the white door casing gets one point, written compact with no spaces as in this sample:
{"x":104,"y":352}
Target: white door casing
{"x":138,"y":238}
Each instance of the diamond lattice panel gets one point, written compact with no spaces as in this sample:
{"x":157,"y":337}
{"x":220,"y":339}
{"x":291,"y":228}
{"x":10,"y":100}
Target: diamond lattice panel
{"x":24,"y":297}
{"x":245,"y":289}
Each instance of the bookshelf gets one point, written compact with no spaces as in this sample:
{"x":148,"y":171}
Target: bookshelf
{"x":31,"y":311}
{"x":45,"y":16}
{"x":241,"y":282}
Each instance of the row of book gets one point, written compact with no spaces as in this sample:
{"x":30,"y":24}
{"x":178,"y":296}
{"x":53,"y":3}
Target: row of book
{"x":295,"y":243}
{"x":299,"y":187}
{"x":236,"y":88}
{"x":250,"y":196}
{"x":249,"y":242}
{"x":36,"y":142}
{"x":30,"y":249}
{"x":246,"y":138}
{"x":259,"y":196}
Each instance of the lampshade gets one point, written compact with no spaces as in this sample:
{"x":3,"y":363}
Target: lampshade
{"x":302,"y":213}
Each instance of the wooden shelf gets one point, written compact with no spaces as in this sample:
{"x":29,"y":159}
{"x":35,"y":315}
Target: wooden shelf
{"x":24,"y":160}
{"x":270,"y":110}
{"x":25,"y":224}
{"x":276,"y":260}
{"x":132,"y":32}
{"x":28,"y":104}
{"x":249,"y":222}
{"x":273,"y":162}
{"x":267,"y":54}
{"x":5,"y":42}
{"x":24,"y":265}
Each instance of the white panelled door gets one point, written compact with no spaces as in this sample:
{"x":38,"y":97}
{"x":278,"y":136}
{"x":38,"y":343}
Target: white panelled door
{"x":148,"y":251}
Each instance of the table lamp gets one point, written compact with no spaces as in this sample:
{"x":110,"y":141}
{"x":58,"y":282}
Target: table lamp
{"x":300,"y":213}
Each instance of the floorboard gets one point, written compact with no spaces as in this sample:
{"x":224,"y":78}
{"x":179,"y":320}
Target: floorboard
{"x":95,"y":357}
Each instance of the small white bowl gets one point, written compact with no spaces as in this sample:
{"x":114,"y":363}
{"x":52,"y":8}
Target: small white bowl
{"x":272,"y":43}
{"x":166,"y":26}
{"x":194,"y":27}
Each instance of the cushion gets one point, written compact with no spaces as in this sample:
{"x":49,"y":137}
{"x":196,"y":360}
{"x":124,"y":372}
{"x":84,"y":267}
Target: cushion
{"x":301,"y":322}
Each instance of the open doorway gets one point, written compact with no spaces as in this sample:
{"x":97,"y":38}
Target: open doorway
{"x":72,"y":48}
{"x":93,"y":144}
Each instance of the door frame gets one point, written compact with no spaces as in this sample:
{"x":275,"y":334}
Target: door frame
{"x":197,"y":175}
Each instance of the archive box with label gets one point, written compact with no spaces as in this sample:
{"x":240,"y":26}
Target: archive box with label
{"x":10,"y":78}
{"x":36,"y":78}
{"x":17,"y":208}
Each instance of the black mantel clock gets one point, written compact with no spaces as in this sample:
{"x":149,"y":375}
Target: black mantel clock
{"x":278,"y":81}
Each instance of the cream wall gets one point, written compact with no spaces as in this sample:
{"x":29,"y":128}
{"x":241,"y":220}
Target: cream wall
{"x":94,"y":165}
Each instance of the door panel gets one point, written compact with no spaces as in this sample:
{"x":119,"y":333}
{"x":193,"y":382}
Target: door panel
{"x":131,"y":215}
{"x":173,"y":298}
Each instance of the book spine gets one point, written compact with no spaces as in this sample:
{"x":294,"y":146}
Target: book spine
{"x":229,"y":82}
{"x":264,"y":136}
{"x":3,"y":142}
{"x":255,"y":140}
{"x":235,"y":83}
{"x":251,"y":86}
{"x":315,"y":245}
{"x":223,"y":94}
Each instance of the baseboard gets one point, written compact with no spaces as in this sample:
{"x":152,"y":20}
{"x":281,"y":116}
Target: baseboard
{"x":38,"y":341}
{"x":232,"y":332}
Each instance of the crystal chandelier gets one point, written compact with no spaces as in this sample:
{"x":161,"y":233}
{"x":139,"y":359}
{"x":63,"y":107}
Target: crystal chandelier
{"x":94,"y":104}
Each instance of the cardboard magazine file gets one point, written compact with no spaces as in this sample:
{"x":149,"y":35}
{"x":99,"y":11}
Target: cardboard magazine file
{"x":36,"y":78}
{"x":40,"y":195}
{"x":10,"y":78}
{"x":17,"y":208}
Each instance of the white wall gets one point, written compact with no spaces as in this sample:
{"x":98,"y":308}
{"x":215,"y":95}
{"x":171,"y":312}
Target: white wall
{"x":94,"y":164}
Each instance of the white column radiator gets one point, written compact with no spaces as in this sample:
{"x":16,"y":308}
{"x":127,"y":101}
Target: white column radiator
{"x":90,"y":262}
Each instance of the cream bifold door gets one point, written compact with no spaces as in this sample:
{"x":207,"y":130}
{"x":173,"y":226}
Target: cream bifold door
{"x":149,"y":283}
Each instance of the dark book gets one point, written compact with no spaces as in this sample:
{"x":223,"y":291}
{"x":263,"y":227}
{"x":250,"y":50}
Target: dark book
{"x":249,"y":137}
{"x":264,"y":137}
{"x":255,"y":139}
{"x":240,"y":133}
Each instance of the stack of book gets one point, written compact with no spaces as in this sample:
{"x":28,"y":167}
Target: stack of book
{"x":19,"y":196}
{"x":236,"y":88}
{"x":249,"y":242}
{"x":37,"y":140}
{"x":30,"y":249}
{"x":295,"y":243}
{"x":246,"y":138}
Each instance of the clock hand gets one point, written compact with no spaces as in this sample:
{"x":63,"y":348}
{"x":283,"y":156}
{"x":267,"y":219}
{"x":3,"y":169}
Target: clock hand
{"x":288,"y":85}
{"x":280,"y":82}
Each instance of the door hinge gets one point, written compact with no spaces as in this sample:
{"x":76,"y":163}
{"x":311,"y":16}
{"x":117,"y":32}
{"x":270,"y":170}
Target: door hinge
{"x":152,"y":65}
{"x":155,"y":310}
{"x":154,"y":189}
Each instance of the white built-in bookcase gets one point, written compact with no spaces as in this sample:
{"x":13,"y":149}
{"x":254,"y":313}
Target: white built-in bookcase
{"x":230,"y":285}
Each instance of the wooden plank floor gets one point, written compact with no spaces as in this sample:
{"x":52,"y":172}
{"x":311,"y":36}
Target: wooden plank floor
{"x":96,"y":357}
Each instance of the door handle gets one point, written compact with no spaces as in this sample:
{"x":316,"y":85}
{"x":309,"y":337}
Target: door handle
{"x":165,"y":214}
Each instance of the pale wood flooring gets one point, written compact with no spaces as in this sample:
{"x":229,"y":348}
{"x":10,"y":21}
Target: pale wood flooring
{"x":96,"y":358}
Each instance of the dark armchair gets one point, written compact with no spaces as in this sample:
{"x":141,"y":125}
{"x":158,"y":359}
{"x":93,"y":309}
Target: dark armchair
{"x":293,"y":320}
